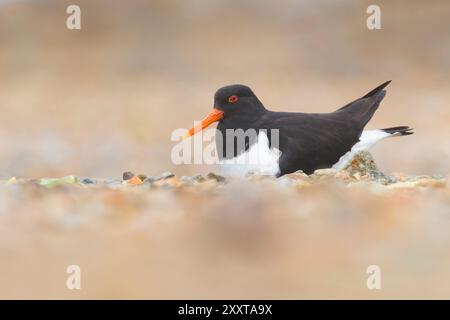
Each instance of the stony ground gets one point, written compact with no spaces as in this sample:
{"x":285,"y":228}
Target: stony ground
{"x":209,"y":236}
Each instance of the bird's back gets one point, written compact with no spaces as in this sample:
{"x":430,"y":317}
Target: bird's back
{"x":310,"y":141}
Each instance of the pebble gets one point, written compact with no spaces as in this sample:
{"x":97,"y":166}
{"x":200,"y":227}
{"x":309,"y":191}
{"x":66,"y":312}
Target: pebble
{"x":163,"y":176}
{"x":362,"y":171}
{"x":216,"y":177}
{"x":298,"y":175}
{"x":325,"y":172}
{"x":198,"y":178}
{"x":54,"y":182}
{"x":142,"y":176}
{"x":88,"y":181}
{"x":127,"y":175}
{"x":186,"y":181}
{"x":134,"y":181}
{"x":363,"y":164}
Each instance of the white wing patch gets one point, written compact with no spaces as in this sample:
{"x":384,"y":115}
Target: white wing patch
{"x":259,"y":158}
{"x":366,"y":141}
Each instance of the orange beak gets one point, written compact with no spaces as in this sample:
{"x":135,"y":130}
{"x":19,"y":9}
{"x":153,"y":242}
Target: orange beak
{"x":213,"y":116}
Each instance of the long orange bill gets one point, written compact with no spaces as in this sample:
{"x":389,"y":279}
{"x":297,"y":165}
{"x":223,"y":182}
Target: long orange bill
{"x":213,"y":116}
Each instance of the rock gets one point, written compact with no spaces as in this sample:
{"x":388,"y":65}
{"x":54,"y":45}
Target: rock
{"x":134,"y":181}
{"x":127,"y":175}
{"x":325,"y":172}
{"x":142,"y":176}
{"x":88,"y":181}
{"x":54,"y":182}
{"x":13,"y":180}
{"x":149,"y":180}
{"x":216,"y":177}
{"x":163,"y":176}
{"x":186,"y":181}
{"x":363,"y":164}
{"x":172,"y":182}
{"x":198,"y":178}
{"x":298,"y":175}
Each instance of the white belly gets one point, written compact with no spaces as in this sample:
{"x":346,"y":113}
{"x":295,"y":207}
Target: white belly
{"x":259,"y":159}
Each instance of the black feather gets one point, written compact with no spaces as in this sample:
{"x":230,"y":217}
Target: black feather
{"x":377,"y":89}
{"x":401,"y":130}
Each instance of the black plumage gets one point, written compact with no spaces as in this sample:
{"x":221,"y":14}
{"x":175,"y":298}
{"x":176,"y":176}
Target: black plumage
{"x":307,"y":141}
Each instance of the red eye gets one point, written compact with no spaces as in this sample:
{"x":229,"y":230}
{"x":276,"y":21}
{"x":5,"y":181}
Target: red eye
{"x":232,"y":99}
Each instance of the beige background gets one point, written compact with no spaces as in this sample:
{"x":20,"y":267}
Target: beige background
{"x":105,"y":99}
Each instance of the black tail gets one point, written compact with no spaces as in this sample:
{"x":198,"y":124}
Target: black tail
{"x":377,"y":89}
{"x":399,"y":131}
{"x":363,"y":108}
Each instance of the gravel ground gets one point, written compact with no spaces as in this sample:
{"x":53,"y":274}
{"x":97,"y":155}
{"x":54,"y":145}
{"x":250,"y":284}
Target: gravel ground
{"x":209,"y":236}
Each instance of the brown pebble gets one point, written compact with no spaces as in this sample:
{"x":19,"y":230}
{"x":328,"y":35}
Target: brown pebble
{"x":127,"y":175}
{"x":216,"y":177}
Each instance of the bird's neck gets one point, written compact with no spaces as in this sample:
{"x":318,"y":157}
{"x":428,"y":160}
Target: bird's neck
{"x":243,"y":121}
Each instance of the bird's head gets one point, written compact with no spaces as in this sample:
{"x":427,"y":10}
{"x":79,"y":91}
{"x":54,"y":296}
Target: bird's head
{"x":234,"y":101}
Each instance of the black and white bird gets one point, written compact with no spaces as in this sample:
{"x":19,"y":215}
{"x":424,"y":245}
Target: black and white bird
{"x":306,"y":141}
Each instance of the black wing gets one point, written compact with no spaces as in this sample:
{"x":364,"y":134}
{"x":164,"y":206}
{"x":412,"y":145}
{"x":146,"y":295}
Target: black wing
{"x":313,"y":141}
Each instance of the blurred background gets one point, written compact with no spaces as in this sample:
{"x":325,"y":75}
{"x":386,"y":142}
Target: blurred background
{"x":105,"y":99}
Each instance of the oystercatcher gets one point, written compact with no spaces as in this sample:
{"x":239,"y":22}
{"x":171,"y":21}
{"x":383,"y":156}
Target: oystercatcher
{"x":306,"y":141}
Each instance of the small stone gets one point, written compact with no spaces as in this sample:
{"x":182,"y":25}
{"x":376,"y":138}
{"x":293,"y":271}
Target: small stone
{"x":186,"y":181}
{"x":364,"y":164}
{"x":127,"y":175}
{"x":88,"y":181}
{"x":216,"y":177}
{"x":142,"y":177}
{"x":164,"y":176}
{"x":325,"y":172}
{"x":135,"y":181}
{"x":149,"y":180}
{"x":198,"y":178}
{"x":55,"y":182}
{"x":298,"y":175}
{"x":172,"y":182}
{"x":13,"y":180}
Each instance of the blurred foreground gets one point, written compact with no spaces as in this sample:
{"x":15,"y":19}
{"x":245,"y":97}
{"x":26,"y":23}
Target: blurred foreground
{"x":205,"y":237}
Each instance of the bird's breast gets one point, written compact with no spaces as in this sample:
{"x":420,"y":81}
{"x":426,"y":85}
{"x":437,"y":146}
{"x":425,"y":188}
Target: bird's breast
{"x":256,"y":156}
